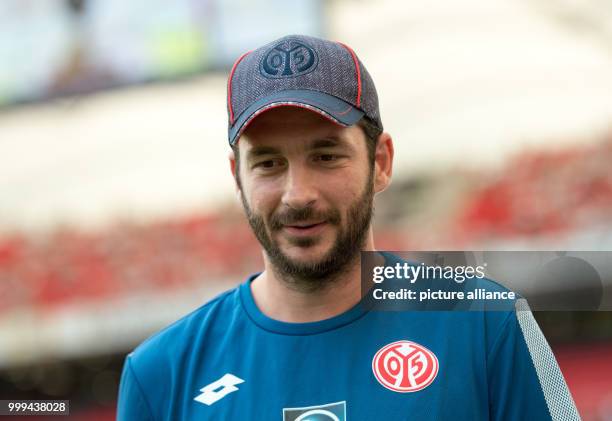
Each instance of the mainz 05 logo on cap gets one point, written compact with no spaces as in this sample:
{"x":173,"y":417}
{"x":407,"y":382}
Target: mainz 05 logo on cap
{"x":329,"y":412}
{"x":288,"y":59}
{"x":405,"y":366}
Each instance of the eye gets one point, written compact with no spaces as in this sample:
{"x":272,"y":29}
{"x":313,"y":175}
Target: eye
{"x":268,"y":164}
{"x":327,"y":157}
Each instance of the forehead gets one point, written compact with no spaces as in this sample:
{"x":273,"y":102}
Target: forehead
{"x":294,"y":127}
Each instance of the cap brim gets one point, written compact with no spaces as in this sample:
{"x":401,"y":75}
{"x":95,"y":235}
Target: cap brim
{"x":330,"y":107}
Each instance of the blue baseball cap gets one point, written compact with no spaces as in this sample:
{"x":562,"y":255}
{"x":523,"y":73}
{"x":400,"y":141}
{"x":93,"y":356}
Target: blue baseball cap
{"x":323,"y":76}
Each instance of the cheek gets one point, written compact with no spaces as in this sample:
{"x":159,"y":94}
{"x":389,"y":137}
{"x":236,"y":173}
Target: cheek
{"x":263,"y":197}
{"x":348,"y":188}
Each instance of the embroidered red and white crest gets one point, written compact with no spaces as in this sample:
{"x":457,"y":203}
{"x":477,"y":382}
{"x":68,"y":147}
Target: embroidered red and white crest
{"x":405,"y":366}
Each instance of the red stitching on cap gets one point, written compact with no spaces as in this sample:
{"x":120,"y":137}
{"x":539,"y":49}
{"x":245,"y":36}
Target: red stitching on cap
{"x":350,"y":50}
{"x":229,"y":87}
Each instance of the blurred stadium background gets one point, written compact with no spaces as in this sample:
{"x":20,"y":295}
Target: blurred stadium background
{"x":117,"y":208}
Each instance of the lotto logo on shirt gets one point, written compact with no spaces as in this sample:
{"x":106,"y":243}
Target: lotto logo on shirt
{"x":405,"y":366}
{"x":328,"y":412}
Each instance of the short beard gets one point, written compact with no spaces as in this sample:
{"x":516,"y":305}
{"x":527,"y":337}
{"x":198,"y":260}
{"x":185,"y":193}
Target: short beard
{"x":316,"y":276}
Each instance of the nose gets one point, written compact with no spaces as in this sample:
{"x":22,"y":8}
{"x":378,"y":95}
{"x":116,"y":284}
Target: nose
{"x":301,"y":189}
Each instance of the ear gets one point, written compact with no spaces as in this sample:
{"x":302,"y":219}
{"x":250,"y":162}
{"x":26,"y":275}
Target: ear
{"x":234,"y":169}
{"x":383,"y":162}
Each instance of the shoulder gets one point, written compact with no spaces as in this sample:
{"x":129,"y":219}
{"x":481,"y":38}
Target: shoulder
{"x":154,"y":371}
{"x":477,"y":301}
{"x":174,"y":341}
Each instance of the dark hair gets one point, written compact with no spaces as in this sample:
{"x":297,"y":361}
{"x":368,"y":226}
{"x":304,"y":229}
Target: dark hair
{"x":371,"y":131}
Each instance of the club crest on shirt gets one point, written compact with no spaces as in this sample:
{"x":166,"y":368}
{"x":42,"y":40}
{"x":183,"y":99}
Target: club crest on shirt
{"x":328,"y":412}
{"x":405,"y":366}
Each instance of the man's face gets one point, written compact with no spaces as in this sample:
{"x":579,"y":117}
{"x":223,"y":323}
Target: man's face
{"x":307,"y":188}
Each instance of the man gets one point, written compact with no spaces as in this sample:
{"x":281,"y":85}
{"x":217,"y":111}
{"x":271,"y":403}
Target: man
{"x":295,"y":342}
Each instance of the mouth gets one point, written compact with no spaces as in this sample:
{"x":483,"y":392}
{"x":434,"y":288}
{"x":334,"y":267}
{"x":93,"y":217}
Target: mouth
{"x":305,"y":228}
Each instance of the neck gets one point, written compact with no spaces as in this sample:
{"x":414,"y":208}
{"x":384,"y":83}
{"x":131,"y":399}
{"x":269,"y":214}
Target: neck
{"x":278,"y":300}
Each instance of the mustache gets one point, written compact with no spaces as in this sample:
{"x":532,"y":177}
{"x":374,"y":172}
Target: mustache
{"x":292,"y":216}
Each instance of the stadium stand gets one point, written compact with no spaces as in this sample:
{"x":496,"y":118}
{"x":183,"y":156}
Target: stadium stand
{"x":536,"y":194}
